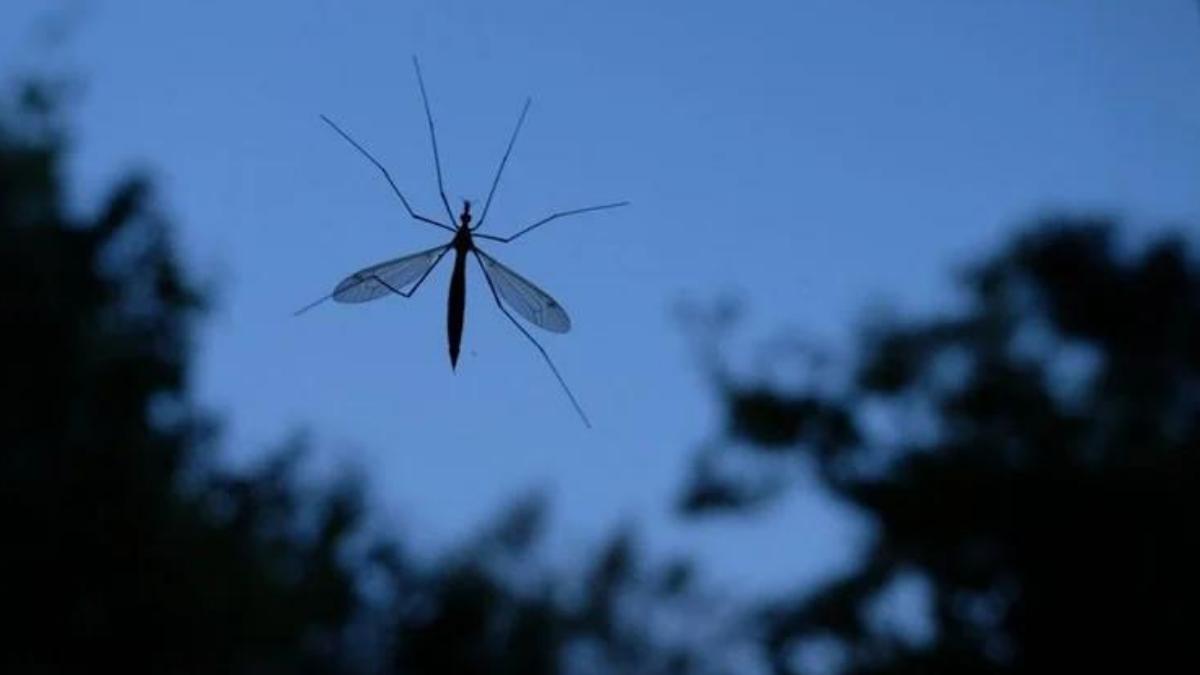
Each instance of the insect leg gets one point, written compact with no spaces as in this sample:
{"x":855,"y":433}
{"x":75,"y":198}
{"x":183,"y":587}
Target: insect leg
{"x":543,"y":221}
{"x":545,"y":355}
{"x":386,"y":175}
{"x":437,"y":161}
{"x":503,"y":161}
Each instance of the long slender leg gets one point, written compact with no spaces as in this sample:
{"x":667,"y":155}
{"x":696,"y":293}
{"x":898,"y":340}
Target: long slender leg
{"x":543,"y":221}
{"x":503,"y":161}
{"x":546,"y":356}
{"x":407,"y":294}
{"x":386,"y":175}
{"x":437,"y":160}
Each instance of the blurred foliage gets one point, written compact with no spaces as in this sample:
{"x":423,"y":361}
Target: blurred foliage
{"x":1031,"y":460}
{"x":128,"y":546}
{"x":124,"y":545}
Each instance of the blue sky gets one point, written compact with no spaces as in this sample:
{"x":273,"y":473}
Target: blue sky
{"x":809,"y":157}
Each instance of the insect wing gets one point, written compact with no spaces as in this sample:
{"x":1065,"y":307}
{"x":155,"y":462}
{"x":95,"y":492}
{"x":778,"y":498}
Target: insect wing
{"x":392,"y":276}
{"x":528,"y":300}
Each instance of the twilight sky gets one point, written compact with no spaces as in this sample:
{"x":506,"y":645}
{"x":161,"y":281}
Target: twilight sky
{"x":809,"y":157}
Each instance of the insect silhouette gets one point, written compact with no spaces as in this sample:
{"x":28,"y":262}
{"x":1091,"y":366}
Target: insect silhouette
{"x":404,"y":275}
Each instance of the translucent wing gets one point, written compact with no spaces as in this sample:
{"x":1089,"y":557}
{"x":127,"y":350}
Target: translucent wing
{"x":528,"y":300}
{"x":388,"y":277}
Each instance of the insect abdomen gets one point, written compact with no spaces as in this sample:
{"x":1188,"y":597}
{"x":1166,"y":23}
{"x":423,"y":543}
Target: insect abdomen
{"x":456,"y":307}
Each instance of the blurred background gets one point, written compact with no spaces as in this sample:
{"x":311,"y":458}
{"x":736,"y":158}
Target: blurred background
{"x":893,"y":361}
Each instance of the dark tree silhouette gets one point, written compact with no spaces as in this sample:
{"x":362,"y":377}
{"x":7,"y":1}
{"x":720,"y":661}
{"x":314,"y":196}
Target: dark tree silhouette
{"x":494,"y":609}
{"x":1033,"y":458}
{"x":124,"y":546}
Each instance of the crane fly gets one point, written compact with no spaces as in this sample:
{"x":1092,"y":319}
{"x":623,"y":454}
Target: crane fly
{"x":404,"y":275}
